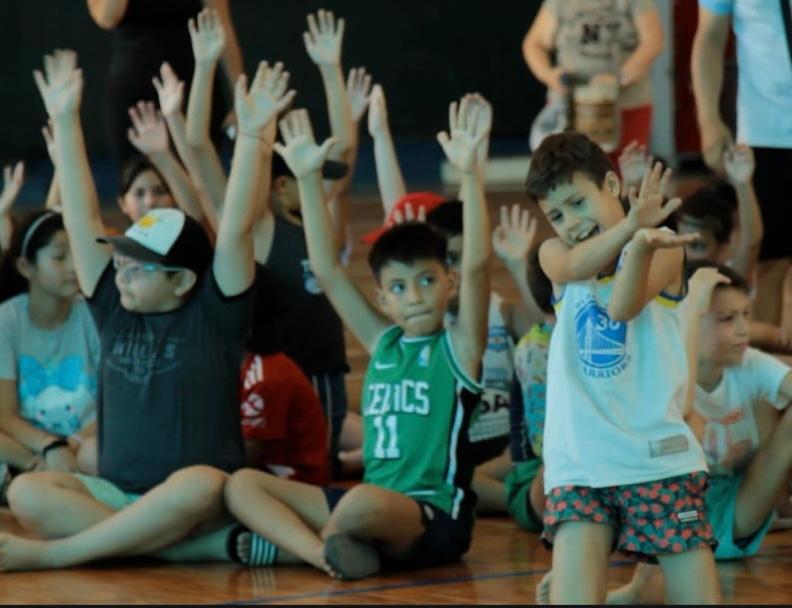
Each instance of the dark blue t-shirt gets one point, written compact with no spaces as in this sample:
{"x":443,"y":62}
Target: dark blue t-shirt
{"x":169,"y":384}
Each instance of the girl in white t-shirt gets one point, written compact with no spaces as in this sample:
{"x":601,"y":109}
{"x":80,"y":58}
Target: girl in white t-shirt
{"x":49,"y":352}
{"x":742,"y":418}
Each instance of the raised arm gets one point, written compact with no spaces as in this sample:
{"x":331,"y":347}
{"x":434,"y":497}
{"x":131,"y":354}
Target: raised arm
{"x":149,"y":135}
{"x":512,"y":241}
{"x":53,"y":202}
{"x":232,"y":53}
{"x":323,"y":42}
{"x":739,"y":165}
{"x":13,"y":177}
{"x":706,"y":66}
{"x":469,"y":334}
{"x":484,"y":115}
{"x":208,"y":40}
{"x":538,"y":47}
{"x":61,"y":90}
{"x":234,"y":261}
{"x":389,"y":175}
{"x":305,"y":159}
{"x":650,"y":45}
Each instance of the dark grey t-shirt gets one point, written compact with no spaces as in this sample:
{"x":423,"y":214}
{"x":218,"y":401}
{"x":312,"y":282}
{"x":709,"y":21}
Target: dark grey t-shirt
{"x":169,"y":384}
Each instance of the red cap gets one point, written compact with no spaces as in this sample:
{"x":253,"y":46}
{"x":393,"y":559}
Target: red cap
{"x":427,"y":200}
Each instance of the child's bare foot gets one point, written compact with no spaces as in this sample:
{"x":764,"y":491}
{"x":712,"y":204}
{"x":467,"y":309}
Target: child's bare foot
{"x":18,"y":553}
{"x":624,"y":595}
{"x":543,"y":589}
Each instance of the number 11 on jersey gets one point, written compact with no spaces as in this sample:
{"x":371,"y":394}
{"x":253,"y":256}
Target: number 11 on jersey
{"x":387,"y":445}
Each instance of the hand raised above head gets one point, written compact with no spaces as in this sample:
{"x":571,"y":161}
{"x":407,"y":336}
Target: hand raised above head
{"x":170,"y":90}
{"x":358,"y":91}
{"x":266,"y":98}
{"x":739,"y":164}
{"x":148,"y":134}
{"x":324,"y":37}
{"x":13,"y":178}
{"x":299,"y":149}
{"x":467,"y":132}
{"x":207,"y":36}
{"x":61,"y":88}
{"x":514,"y":237}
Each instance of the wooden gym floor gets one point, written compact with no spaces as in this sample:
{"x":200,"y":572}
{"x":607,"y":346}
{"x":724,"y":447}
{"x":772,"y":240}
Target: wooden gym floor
{"x":503,"y":565}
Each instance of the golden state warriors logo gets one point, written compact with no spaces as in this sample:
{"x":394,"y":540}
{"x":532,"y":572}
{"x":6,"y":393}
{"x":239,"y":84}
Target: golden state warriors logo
{"x":601,"y":341}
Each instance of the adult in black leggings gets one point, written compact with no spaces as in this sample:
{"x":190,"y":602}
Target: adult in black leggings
{"x":146,"y":33}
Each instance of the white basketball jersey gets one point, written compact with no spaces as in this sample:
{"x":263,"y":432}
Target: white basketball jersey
{"x":615,"y":393}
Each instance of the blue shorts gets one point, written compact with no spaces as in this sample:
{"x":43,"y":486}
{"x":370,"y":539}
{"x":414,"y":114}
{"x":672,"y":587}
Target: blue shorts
{"x":721,"y":502}
{"x":444,"y":540}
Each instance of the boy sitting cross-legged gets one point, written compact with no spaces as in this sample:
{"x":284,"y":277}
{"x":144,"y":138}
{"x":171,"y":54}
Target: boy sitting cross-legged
{"x":172,"y":318}
{"x":414,"y":507}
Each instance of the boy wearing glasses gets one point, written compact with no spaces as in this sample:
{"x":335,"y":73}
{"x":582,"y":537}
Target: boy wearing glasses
{"x":173,"y":318}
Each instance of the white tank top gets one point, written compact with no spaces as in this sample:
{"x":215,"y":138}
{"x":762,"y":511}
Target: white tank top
{"x":615,"y":393}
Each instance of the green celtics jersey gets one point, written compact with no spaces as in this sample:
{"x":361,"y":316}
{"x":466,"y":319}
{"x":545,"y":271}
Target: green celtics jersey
{"x":417,"y":403}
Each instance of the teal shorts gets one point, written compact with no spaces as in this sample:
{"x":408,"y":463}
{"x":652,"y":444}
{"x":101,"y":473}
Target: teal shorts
{"x":721,"y":501}
{"x":518,"y":494}
{"x":106,"y":492}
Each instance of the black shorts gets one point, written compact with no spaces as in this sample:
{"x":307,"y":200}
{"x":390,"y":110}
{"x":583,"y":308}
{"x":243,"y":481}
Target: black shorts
{"x":487,"y":449}
{"x":773,"y":184}
{"x":444,"y":540}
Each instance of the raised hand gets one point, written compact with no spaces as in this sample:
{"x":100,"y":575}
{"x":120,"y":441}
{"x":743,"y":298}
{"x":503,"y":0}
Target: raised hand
{"x":13,"y":178}
{"x":700,"y":287}
{"x":739,"y":163}
{"x":170,"y":90}
{"x":207,"y":36}
{"x":323,"y":38}
{"x":648,"y":208}
{"x":149,"y":133}
{"x":378,"y":111}
{"x":61,"y":89}
{"x":299,"y":149}
{"x":481,"y":110}
{"x":467,"y":132}
{"x":409,"y":214}
{"x":358,"y":88}
{"x":266,"y":98}
{"x":634,"y":162}
{"x":49,"y":139}
{"x":513,"y":239}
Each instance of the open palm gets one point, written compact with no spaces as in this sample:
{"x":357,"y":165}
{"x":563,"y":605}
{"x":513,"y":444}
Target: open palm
{"x":466,"y":133}
{"x":61,"y":89}
{"x":299,"y":148}
{"x":323,"y":38}
{"x":170,"y":90}
{"x":265,"y":99}
{"x":207,"y":36}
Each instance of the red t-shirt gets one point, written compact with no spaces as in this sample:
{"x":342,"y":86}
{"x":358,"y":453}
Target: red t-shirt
{"x":283,"y":415}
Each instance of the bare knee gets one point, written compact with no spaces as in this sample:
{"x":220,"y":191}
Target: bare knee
{"x":198,"y":488}
{"x":360,"y":509}
{"x":241,"y":485}
{"x":29,"y":497}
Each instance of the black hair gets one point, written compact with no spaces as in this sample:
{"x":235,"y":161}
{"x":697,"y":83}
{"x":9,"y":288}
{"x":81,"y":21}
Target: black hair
{"x":737,"y":281}
{"x":540,"y":285}
{"x":447,"y":218}
{"x":133,"y":167}
{"x":47,"y":225}
{"x":559,"y":157}
{"x":407,"y":243}
{"x":713,"y":206}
